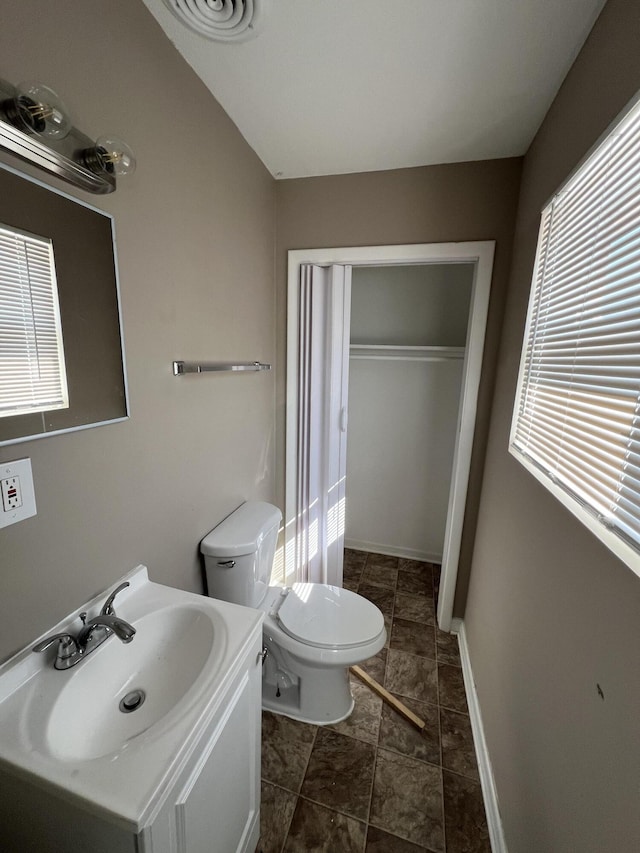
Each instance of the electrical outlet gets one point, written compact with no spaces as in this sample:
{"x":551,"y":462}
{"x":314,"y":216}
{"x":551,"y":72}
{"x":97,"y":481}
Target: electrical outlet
{"x":18,"y":497}
{"x":11,"y":493}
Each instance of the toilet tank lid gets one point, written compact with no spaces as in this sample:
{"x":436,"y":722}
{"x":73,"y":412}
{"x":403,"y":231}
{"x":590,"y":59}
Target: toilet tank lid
{"x":241,"y":532}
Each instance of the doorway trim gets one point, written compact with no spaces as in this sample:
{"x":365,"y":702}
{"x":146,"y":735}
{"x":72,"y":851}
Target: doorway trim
{"x":479,"y":253}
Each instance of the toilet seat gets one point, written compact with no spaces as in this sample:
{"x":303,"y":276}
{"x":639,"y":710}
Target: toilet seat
{"x":327,"y":616}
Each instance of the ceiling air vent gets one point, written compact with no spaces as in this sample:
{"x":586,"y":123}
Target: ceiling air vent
{"x":221,"y":20}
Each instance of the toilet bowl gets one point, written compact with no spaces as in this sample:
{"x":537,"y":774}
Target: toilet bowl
{"x":312,"y":632}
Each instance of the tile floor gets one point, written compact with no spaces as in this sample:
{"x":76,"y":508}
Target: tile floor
{"x":373,"y":784}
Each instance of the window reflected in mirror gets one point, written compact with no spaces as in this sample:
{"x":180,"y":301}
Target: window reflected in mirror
{"x":33,"y":377}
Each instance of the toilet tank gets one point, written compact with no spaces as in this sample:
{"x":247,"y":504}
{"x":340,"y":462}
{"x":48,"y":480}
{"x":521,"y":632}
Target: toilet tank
{"x":238,"y":553}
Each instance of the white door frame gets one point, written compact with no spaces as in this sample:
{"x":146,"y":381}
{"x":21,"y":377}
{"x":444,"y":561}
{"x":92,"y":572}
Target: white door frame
{"x":480,"y":253}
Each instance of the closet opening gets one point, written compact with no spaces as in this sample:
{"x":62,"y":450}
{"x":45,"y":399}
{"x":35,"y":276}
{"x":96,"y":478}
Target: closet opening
{"x":406,"y":354}
{"x":384,"y":352}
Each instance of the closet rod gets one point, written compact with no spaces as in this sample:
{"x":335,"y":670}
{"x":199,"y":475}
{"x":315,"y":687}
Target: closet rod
{"x":406,"y":357}
{"x":384,"y":352}
{"x":182,"y":367}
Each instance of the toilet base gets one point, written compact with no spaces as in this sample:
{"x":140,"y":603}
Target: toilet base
{"x":319,"y":695}
{"x":287,"y":708}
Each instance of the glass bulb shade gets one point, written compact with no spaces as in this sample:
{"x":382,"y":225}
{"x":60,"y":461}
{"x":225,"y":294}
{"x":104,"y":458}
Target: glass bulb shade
{"x":41,"y":111}
{"x":115,"y":156}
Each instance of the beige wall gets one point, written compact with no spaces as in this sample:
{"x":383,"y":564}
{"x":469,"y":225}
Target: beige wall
{"x":551,"y":614}
{"x":432,"y":204}
{"x":195,"y":232}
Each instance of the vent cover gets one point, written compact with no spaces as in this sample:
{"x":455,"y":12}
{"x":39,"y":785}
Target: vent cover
{"x":220,"y":20}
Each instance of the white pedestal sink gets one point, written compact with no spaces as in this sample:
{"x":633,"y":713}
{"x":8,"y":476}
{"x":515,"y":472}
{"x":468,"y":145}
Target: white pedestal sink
{"x":180,"y":772}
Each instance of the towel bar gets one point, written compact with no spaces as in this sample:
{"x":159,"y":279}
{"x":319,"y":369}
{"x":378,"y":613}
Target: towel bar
{"x":182,"y":367}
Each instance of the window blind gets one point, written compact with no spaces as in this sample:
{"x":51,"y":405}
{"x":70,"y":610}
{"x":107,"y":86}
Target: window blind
{"x":32,"y":367}
{"x":577,"y":408}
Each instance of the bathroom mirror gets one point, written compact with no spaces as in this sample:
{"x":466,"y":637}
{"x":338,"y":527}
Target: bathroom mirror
{"x":82,"y":240}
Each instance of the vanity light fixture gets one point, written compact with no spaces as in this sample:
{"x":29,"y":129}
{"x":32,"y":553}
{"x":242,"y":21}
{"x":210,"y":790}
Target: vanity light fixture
{"x":35,"y":126}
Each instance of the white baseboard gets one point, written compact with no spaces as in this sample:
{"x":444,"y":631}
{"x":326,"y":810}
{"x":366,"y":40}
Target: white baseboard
{"x":496,"y":834}
{"x":392,"y":551}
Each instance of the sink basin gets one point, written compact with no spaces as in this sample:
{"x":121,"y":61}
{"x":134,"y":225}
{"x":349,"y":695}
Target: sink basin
{"x":163,"y":662}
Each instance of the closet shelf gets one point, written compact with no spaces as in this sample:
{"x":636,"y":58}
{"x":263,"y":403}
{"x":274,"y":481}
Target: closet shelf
{"x":387,"y":352}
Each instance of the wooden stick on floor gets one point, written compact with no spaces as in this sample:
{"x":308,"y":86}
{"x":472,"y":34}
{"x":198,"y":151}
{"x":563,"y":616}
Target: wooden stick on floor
{"x":396,"y":704}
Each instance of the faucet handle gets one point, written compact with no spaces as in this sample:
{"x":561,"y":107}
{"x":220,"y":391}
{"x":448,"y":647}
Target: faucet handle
{"x":107,"y":607}
{"x":67,"y":646}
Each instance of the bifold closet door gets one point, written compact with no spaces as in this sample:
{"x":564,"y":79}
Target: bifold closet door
{"x":322,"y":380}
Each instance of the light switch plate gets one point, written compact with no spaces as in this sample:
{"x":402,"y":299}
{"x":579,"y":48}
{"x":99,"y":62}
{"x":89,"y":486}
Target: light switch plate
{"x":17,"y":485}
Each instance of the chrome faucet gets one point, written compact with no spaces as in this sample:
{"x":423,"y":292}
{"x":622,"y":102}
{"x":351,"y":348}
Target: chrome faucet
{"x":105,"y":623}
{"x":71,"y":650}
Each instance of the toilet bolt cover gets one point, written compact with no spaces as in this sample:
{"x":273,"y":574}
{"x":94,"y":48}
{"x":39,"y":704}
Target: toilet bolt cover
{"x":328,"y":616}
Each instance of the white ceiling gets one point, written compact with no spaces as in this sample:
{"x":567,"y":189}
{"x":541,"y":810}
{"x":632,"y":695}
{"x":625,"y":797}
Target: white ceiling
{"x":335,"y":86}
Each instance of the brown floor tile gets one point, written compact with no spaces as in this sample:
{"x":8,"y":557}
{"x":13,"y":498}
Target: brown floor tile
{"x":352,"y":569}
{"x":364,"y":721}
{"x":401,"y":736}
{"x":286,"y":747}
{"x":353,"y":585}
{"x":416,"y":567}
{"x":381,"y":842}
{"x":340,"y":773}
{"x":451,"y":688}
{"x":354,"y":558}
{"x":383,"y":598}
{"x":385,"y":576}
{"x":383,"y":560}
{"x":315,"y":829}
{"x":413,"y":637}
{"x":447,"y":648}
{"x":416,"y":608}
{"x":458,"y":751}
{"x":464,"y":815}
{"x":376,"y":666}
{"x":351,"y":574}
{"x":413,"y":676}
{"x":407,"y":799}
{"x":276,"y":810}
{"x":415,"y":584}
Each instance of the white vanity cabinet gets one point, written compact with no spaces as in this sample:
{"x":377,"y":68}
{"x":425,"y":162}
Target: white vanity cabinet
{"x":215,"y":805}
{"x":179,"y":774}
{"x":212,"y":807}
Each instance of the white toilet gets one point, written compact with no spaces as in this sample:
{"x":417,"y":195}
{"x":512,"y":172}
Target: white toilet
{"x":312,"y":632}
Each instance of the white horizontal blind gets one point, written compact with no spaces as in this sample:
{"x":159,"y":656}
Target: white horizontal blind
{"x":577,"y":408}
{"x":32,"y":368}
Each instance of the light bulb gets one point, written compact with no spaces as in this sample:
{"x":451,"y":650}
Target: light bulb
{"x":110,"y":155}
{"x":37,"y":109}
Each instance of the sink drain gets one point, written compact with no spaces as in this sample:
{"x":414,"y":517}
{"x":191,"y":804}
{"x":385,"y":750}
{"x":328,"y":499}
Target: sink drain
{"x":132,"y":701}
